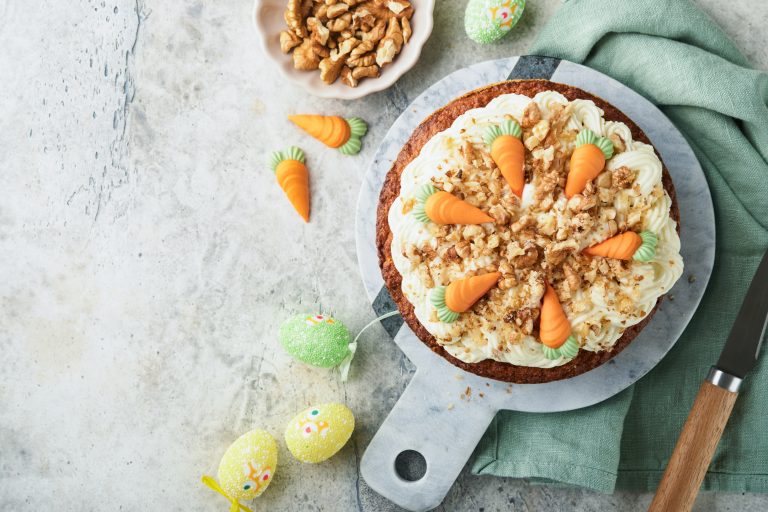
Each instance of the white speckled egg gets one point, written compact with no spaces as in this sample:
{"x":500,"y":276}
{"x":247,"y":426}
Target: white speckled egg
{"x":317,"y":433}
{"x":248,"y":465}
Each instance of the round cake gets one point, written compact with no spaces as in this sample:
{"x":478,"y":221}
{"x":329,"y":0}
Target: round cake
{"x":527,"y":231}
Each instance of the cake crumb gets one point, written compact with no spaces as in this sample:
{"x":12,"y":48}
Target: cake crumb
{"x":691,"y":278}
{"x":450,"y":407}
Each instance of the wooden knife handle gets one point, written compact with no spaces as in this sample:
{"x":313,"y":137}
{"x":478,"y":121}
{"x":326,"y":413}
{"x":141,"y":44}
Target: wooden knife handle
{"x":694,"y":449}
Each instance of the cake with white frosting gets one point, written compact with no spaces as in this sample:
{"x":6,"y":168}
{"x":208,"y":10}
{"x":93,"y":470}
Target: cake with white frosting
{"x":527,"y":231}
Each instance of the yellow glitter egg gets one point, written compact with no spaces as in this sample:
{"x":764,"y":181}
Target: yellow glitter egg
{"x":319,"y":432}
{"x":247,"y":467}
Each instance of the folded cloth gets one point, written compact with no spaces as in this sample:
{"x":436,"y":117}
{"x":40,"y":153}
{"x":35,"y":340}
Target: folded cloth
{"x":673,"y":54}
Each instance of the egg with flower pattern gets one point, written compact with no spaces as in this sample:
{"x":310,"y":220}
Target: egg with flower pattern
{"x":248,"y":465}
{"x":486,"y":21}
{"x":317,"y":433}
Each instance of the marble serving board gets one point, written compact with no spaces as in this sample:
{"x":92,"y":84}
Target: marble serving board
{"x":444,"y":410}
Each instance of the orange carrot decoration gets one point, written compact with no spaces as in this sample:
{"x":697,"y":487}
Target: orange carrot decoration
{"x":334,"y":131}
{"x":443,"y":208}
{"x":587,"y":160}
{"x":509,"y":153}
{"x":627,"y":246}
{"x":293,"y":177}
{"x":461,"y":295}
{"x":554,"y":328}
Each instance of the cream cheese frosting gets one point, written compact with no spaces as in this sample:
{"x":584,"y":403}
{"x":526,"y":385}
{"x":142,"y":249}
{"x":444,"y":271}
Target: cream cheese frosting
{"x":611,"y":296}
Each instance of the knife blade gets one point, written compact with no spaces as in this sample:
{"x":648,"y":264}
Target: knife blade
{"x":743,"y":345}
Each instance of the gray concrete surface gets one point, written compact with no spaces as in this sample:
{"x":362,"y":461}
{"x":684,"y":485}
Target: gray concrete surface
{"x":147,"y":259}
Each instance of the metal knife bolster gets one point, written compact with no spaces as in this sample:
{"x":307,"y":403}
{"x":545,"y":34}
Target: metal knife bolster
{"x":724,"y":380}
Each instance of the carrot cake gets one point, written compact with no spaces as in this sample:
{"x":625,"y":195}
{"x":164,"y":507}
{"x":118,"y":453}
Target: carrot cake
{"x":528,"y":231}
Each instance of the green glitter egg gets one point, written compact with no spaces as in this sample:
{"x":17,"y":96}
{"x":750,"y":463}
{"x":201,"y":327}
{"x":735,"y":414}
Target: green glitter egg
{"x":487,"y":21}
{"x":318,"y":340}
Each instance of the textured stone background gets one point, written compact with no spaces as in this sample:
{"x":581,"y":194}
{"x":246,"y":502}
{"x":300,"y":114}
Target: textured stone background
{"x":147,"y":258}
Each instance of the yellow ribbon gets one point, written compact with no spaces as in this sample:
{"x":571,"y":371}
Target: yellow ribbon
{"x":213,"y":484}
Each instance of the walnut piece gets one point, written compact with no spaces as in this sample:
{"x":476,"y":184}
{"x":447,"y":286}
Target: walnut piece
{"x":406,"y":25}
{"x":304,"y":57}
{"x":538,"y":133}
{"x":288,"y":41}
{"x":528,"y":259}
{"x":336,"y":10}
{"x":341,"y":23}
{"x":330,"y":67}
{"x":369,"y":59}
{"x":623,"y":177}
{"x":531,"y":115}
{"x":377,"y":32}
{"x":366,"y":72}
{"x":294,"y":17}
{"x":362,"y":19}
{"x":320,"y":50}
{"x":319,"y":32}
{"x":401,"y":8}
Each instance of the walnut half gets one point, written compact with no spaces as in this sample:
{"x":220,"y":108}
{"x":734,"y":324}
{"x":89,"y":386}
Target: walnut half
{"x":288,"y":41}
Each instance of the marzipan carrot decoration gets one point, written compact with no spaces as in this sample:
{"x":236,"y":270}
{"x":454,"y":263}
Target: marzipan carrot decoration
{"x":555,"y":329}
{"x":443,"y":208}
{"x":293,"y":177}
{"x":508,"y":152}
{"x":587,"y":160}
{"x":334,"y":131}
{"x":461,"y":295}
{"x":627,"y":246}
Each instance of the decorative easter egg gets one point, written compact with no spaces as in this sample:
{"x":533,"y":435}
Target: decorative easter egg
{"x":247,"y":467}
{"x":487,"y":21}
{"x":319,"y":432}
{"x":318,"y":340}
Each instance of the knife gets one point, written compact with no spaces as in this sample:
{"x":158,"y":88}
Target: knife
{"x":714,"y":402}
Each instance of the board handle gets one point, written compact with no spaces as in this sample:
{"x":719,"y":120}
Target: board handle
{"x":694,"y":449}
{"x":429,"y":418}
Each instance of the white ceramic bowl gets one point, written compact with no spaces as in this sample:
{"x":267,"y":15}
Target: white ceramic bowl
{"x":268,"y":19}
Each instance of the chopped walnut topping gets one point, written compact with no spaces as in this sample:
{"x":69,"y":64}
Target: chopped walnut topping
{"x":604,"y":179}
{"x":560,"y":250}
{"x":529,"y":258}
{"x":538,"y":133}
{"x":571,"y":277}
{"x":623,"y":177}
{"x":531,"y":115}
{"x":524,"y":222}
{"x":499,"y":214}
{"x":618,"y":142}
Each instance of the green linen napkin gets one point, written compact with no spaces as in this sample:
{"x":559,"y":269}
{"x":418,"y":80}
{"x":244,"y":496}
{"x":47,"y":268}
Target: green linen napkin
{"x":673,"y":54}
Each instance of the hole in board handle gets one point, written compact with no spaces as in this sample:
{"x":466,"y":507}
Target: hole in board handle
{"x":410,"y":465}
